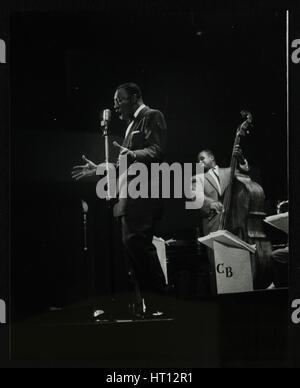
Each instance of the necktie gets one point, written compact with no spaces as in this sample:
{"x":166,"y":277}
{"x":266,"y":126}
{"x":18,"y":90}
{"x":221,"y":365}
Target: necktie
{"x":216,"y":174}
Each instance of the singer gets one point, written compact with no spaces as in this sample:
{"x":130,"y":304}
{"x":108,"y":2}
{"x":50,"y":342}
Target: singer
{"x":145,"y":142}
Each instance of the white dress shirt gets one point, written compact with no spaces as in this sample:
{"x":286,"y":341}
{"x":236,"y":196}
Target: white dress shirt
{"x":135,"y":115}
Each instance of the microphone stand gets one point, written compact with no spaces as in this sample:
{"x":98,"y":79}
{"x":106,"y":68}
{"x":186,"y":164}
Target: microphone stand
{"x":91,"y":284}
{"x":104,"y":125}
{"x":85,"y":210}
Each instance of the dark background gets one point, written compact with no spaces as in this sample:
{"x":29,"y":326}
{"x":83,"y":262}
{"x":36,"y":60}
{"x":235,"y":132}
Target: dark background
{"x":294,"y":174}
{"x":199,"y":68}
{"x":4,"y":171}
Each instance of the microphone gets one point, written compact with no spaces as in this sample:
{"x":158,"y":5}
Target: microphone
{"x":106,"y":117}
{"x":85,"y":207}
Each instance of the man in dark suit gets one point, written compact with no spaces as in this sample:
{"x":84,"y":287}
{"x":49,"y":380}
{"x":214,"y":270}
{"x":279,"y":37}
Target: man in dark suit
{"x":145,"y":142}
{"x":216,"y":181}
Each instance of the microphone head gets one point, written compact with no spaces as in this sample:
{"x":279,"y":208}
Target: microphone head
{"x":106,"y":115}
{"x":85,"y":207}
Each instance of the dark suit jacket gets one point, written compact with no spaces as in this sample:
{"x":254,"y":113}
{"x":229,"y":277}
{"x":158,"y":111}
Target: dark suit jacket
{"x":147,"y":138}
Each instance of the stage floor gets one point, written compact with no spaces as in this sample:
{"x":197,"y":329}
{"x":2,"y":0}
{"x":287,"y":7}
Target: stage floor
{"x":245,"y":330}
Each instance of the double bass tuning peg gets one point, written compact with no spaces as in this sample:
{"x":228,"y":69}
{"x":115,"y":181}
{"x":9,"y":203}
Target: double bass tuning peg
{"x":244,"y":128}
{"x":246,"y":114}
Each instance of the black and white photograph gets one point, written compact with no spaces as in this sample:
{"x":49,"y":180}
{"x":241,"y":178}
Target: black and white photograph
{"x":149,"y":164}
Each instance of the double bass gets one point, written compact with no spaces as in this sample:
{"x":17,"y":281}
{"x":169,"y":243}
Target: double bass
{"x":244,"y":212}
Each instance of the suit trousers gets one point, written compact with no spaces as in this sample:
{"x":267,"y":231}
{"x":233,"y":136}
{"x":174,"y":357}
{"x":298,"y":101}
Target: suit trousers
{"x":137,"y":235}
{"x":280,"y":266}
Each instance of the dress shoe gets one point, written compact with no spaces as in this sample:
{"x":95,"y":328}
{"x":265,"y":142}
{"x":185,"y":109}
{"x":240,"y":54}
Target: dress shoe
{"x":153,"y":315}
{"x":100,"y":316}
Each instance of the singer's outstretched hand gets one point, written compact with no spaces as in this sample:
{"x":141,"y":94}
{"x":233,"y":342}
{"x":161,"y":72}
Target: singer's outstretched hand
{"x":124,"y":151}
{"x":83,"y":171}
